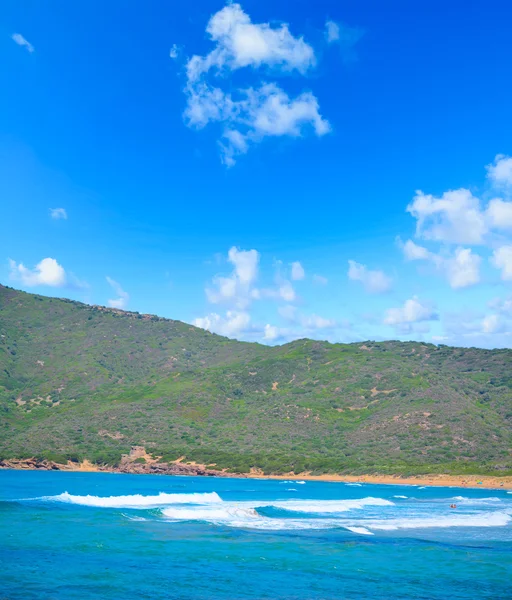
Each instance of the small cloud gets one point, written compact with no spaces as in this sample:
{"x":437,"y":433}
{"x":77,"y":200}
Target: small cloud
{"x":58,"y":213}
{"x":463,"y":269}
{"x":374,"y":282}
{"x":271,"y":332}
{"x":332,"y":31}
{"x":234,"y":324}
{"x":122,"y":301}
{"x":500,"y":172}
{"x":298,"y":272}
{"x":47,"y":272}
{"x":345,"y":37}
{"x":413,"y":311}
{"x":237,"y":288}
{"x":174,"y":51}
{"x":502,"y":259}
{"x":21,"y":41}
{"x":412,"y":251}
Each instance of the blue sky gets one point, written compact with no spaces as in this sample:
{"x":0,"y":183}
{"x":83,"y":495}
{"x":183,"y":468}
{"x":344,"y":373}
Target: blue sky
{"x":266,"y":170}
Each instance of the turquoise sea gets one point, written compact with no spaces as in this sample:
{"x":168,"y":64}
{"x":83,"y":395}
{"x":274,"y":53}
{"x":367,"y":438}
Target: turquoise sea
{"x":98,"y":535}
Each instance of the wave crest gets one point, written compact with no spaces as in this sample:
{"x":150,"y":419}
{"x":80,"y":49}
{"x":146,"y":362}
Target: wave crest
{"x":135,"y":500}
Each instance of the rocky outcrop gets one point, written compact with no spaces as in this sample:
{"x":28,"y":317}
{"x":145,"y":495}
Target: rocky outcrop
{"x":154,"y":468}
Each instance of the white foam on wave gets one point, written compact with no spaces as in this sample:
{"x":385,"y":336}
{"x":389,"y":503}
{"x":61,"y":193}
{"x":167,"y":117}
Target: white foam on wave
{"x":476,"y":501}
{"x":234,"y":515}
{"x":328,"y":506}
{"x":135,"y":500}
{"x":291,"y":489}
{"x":492,"y":519}
{"x":355,"y":484}
{"x":360,"y":530}
{"x":403,"y":497}
{"x":293,"y":481}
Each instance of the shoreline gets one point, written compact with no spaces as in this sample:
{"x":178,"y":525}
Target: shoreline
{"x":187,"y":469}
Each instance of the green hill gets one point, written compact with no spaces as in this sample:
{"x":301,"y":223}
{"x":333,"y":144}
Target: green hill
{"x":87,"y":382}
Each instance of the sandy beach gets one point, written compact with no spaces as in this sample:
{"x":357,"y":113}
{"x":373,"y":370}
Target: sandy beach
{"x":469,"y":481}
{"x":195,"y":469}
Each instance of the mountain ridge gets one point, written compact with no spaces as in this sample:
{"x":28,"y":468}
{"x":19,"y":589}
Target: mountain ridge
{"x":88,"y":382}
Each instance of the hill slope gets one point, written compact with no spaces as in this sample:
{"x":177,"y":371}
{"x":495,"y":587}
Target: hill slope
{"x":78,"y":381}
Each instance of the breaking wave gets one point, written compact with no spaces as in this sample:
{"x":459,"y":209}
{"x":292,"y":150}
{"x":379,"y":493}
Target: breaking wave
{"x":361,"y":516}
{"x":329,"y":506}
{"x":360,"y":530}
{"x":136,"y":500}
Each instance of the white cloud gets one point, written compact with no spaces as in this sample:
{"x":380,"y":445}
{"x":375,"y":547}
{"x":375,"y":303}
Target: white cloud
{"x":500,"y":172}
{"x":234,"y":324}
{"x":245,"y":262}
{"x":374,"y":282}
{"x":251,"y":114}
{"x":455,"y":217}
{"x":58,"y":213}
{"x":332,"y":31}
{"x":413,"y":311}
{"x":499,"y":213}
{"x":122,"y":301}
{"x":241,"y":43}
{"x":298,"y":272}
{"x":320,"y":280}
{"x":21,"y":41}
{"x":236,"y":289}
{"x":414,"y":252}
{"x":174,"y":51}
{"x":267,"y":111}
{"x":271,"y":332}
{"x":47,"y":272}
{"x":463,"y":269}
{"x":286,"y":292}
{"x":502,"y":259}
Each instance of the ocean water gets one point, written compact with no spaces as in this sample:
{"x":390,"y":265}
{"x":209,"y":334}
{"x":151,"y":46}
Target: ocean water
{"x":99,"y":535}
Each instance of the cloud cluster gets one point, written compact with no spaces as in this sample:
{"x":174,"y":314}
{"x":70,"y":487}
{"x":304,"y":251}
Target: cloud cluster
{"x":47,"y":272}
{"x":458,"y":217}
{"x":250,"y":114}
{"x":239,"y":289}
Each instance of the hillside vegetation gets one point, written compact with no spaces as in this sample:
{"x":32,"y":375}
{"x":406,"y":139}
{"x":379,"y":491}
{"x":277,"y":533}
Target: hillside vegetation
{"x":86,"y":382}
